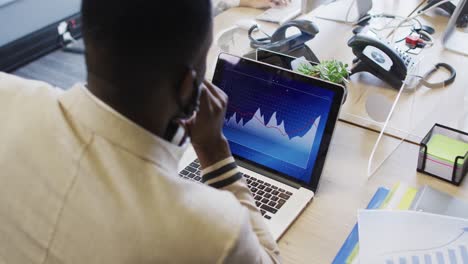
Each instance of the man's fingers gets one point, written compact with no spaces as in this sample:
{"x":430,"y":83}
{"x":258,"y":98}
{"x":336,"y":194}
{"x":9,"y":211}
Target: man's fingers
{"x":209,"y":100}
{"x":204,"y":100}
{"x":218,"y":93}
{"x":214,"y":90}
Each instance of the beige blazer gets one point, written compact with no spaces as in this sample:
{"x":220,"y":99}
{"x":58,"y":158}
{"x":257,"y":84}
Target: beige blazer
{"x":79,"y":183}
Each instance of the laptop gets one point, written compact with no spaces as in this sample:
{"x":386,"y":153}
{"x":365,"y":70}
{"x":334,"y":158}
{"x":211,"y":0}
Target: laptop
{"x":279,"y":125}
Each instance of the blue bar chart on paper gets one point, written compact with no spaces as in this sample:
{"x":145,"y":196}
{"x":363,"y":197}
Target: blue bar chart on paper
{"x":453,"y":252}
{"x":278,"y":123}
{"x":410,"y":237}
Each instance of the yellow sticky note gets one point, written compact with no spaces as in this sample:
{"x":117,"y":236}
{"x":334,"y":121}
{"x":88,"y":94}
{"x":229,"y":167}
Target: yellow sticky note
{"x":446,"y":148}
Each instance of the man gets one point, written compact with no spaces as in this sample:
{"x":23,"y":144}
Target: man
{"x":90,"y":175}
{"x":221,"y":5}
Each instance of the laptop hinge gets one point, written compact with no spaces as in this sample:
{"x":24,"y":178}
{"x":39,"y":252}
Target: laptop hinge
{"x":267,"y":174}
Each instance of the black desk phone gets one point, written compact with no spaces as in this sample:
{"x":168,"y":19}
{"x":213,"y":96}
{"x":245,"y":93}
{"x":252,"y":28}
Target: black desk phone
{"x":377,"y":57}
{"x":293,"y":45}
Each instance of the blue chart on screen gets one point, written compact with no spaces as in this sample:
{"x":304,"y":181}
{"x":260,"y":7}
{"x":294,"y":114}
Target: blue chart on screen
{"x":278,"y":123}
{"x":297,"y":148}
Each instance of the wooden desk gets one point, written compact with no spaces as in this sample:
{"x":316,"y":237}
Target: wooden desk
{"x":445,"y":105}
{"x":319,"y":232}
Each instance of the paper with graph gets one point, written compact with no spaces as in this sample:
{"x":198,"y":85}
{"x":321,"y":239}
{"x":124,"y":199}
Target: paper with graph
{"x":5,"y":2}
{"x":408,"y":237}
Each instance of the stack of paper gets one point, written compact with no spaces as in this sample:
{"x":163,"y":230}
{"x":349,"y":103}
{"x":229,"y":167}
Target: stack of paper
{"x":399,"y":199}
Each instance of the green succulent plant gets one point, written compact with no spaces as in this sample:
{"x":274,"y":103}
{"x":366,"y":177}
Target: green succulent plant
{"x":332,"y":71}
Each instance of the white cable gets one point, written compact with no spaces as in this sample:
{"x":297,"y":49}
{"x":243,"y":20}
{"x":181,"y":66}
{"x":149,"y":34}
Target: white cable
{"x":415,"y":16}
{"x":410,"y":23}
{"x":382,"y":132}
{"x":374,"y":149}
{"x":380,"y":15}
{"x":430,"y":42}
{"x":391,"y":27}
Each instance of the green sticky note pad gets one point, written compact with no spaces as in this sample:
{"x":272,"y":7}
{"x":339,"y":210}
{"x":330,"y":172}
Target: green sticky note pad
{"x":446,"y":148}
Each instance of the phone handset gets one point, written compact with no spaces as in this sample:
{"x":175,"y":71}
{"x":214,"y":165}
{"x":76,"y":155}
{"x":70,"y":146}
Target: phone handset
{"x":307,"y":29}
{"x":380,"y":59}
{"x":294,"y":45}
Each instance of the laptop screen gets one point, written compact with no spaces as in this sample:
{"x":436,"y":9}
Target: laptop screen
{"x":275,"y":118}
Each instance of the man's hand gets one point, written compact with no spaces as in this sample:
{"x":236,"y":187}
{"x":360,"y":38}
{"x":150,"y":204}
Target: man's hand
{"x":205,"y":128}
{"x":264,"y":3}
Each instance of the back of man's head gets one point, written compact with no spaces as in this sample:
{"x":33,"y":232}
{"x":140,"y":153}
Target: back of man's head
{"x":136,"y":42}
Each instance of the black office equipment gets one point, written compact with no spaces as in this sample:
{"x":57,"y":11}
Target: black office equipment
{"x":292,"y":45}
{"x":30,"y":29}
{"x":377,"y":57}
{"x":452,"y":172}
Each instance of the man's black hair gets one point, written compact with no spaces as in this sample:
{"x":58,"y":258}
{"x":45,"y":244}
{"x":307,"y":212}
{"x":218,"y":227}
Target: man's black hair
{"x":148,"y":40}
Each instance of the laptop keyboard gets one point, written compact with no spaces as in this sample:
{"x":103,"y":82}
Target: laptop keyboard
{"x":268,"y":197}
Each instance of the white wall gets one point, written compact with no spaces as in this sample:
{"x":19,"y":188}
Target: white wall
{"x":22,"y":17}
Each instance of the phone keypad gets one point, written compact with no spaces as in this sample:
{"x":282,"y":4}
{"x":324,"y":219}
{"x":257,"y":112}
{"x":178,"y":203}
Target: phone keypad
{"x":407,"y":59}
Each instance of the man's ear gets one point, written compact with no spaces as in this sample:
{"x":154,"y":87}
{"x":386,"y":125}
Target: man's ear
{"x":186,"y":89}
